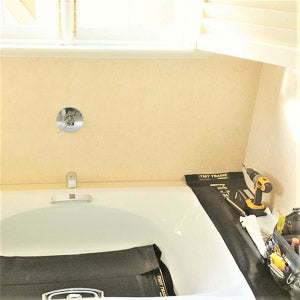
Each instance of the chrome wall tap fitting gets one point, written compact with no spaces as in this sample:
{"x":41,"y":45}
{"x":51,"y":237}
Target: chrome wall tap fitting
{"x":71,"y":180}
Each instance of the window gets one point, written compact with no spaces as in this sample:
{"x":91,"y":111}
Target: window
{"x":164,"y":21}
{"x":101,"y":22}
{"x":262,"y":30}
{"x":29,"y":19}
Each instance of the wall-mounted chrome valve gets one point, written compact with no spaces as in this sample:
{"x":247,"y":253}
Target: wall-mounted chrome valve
{"x":69,"y":119}
{"x":71,"y":180}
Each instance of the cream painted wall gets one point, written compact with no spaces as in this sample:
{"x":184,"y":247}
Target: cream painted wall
{"x":145,"y":119}
{"x":274,"y":135}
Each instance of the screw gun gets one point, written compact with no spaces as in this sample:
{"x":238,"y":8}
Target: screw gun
{"x":261,"y":185}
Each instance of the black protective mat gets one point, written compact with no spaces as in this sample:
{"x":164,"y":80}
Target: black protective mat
{"x":227,"y":184}
{"x":238,"y":241}
{"x":136,"y":272}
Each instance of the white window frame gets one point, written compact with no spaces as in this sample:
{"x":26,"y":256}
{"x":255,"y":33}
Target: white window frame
{"x":69,"y":45}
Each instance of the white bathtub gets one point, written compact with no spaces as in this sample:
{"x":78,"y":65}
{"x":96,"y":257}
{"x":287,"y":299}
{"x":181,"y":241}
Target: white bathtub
{"x":197,"y":257}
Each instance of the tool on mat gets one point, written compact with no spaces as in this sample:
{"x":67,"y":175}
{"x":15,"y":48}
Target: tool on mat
{"x":261,"y":185}
{"x":225,"y":192}
{"x":240,"y":198}
{"x":241,"y":211}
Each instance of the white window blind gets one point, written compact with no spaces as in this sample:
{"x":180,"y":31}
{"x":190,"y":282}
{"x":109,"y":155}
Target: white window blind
{"x":261,"y":30}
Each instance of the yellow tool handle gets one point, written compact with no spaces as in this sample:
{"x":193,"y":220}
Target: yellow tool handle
{"x":280,"y":223}
{"x":277,"y":261}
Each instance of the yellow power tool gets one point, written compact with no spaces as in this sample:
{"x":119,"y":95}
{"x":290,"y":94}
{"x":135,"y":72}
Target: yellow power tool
{"x":261,"y":185}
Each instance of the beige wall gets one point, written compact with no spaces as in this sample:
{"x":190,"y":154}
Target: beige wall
{"x":145,"y":119}
{"x":272,"y":147}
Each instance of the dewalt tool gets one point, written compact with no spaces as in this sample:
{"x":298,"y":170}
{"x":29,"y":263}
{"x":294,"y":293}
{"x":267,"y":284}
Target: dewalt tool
{"x":261,"y":185}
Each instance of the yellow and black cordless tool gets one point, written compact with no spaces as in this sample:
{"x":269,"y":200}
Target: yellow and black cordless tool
{"x":262,"y":185}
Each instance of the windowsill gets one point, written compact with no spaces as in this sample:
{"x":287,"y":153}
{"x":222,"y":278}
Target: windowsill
{"x":102,"y":51}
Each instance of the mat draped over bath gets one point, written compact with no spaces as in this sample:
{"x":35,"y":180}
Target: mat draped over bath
{"x":135,"y":272}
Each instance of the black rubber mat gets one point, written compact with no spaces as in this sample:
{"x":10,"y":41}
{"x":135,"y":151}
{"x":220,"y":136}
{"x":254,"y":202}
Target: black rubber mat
{"x":226,"y":220}
{"x":227,"y":184}
{"x":136,"y":272}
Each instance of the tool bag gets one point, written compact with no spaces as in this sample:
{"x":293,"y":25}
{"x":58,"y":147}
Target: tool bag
{"x":283,"y":260}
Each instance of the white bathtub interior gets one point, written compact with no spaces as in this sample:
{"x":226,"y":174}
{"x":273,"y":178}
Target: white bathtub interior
{"x":172,"y":218}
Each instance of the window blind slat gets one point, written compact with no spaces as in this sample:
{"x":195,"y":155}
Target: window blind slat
{"x":283,"y":5}
{"x":266,"y":34}
{"x":253,"y":15}
{"x":268,"y":53}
